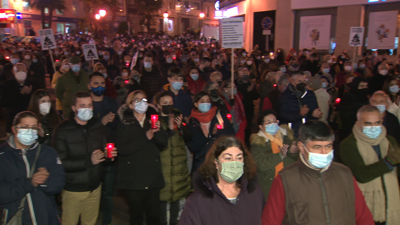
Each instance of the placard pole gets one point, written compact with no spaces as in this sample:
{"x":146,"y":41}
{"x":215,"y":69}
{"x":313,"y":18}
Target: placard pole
{"x":232,"y":72}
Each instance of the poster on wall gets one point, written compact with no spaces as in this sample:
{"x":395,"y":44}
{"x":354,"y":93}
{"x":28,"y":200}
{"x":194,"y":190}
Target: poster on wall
{"x":315,"y":32}
{"x":382,"y":30}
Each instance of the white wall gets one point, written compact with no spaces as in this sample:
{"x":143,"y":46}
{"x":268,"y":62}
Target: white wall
{"x":306,"y":4}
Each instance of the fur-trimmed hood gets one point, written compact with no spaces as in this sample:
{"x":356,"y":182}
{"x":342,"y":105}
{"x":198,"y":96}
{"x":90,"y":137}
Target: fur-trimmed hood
{"x":126,"y":114}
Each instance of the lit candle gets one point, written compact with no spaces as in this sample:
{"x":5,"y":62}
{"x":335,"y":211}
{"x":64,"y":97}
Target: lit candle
{"x":154,"y":119}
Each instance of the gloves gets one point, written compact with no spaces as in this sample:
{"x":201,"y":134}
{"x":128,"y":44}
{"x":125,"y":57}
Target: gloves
{"x":393,"y":156}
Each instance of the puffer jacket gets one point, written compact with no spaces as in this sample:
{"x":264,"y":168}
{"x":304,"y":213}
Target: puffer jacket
{"x":174,"y":165}
{"x":75,"y":144}
{"x":139,"y":166}
{"x":14,"y":184}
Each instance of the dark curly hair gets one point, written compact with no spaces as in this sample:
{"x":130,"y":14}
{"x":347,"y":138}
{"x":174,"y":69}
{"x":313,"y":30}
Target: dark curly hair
{"x":208,"y":168}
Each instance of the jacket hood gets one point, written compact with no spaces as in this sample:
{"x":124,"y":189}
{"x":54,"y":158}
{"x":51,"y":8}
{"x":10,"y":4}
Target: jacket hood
{"x":208,"y":187}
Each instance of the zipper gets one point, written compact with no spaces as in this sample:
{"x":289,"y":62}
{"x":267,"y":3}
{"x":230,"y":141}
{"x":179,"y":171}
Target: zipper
{"x":28,"y":196}
{"x":324,"y":197}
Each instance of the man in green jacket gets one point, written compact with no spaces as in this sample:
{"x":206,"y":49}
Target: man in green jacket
{"x":74,"y":80}
{"x":373,"y":158}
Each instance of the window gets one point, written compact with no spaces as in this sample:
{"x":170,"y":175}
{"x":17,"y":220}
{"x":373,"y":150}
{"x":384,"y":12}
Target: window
{"x":75,"y":8}
{"x":46,"y":25}
{"x":59,"y":12}
{"x":60,"y":28}
{"x":169,"y":5}
{"x":196,"y":6}
{"x":46,"y":10}
{"x":208,"y":11}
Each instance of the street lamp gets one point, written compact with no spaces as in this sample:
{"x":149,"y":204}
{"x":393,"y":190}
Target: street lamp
{"x":97,"y":16}
{"x":202,"y":15}
{"x":165,"y":15}
{"x":102,"y":12}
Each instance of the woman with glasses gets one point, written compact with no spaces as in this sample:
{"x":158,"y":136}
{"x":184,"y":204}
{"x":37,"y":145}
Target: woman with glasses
{"x":139,"y":172}
{"x":42,"y":106}
{"x":226,"y":191}
{"x":207,"y":123}
{"x":273,"y":148}
{"x":20,"y":179}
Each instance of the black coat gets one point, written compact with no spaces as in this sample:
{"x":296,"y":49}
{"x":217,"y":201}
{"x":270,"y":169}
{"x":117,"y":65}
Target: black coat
{"x":376,"y":82}
{"x":139,"y":166}
{"x":392,"y":126}
{"x":38,"y":73}
{"x":75,"y":144}
{"x":151,"y":82}
{"x":348,"y":107}
{"x":200,"y":144}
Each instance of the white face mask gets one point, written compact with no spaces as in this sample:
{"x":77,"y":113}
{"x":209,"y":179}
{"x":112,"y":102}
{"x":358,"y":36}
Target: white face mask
{"x":141,"y":107}
{"x":20,"y":76}
{"x":329,"y":61}
{"x":27,"y":57}
{"x":85,"y":114}
{"x":348,"y":68}
{"x":124,"y":74}
{"x":45,"y":108}
{"x":147,"y":65}
{"x":383,"y":72}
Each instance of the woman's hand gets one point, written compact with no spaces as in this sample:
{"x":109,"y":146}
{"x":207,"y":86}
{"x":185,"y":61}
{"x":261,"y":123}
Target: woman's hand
{"x":284,"y":150}
{"x":150,"y":132}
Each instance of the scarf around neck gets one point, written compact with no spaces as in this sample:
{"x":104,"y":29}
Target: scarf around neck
{"x":381,"y":194}
{"x":204,"y":117}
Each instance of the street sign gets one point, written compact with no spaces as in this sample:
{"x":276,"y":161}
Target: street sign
{"x":267,"y":23}
{"x":232,"y":33}
{"x":7,"y":15}
{"x":47,"y":40}
{"x":356,"y":36}
{"x":90,"y":52}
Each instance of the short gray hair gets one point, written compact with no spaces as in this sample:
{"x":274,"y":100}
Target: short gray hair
{"x":366,"y":108}
{"x":315,"y":131}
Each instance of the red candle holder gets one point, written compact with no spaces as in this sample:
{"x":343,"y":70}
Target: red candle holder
{"x":154,"y":119}
{"x":110,"y":147}
{"x":229,"y":116}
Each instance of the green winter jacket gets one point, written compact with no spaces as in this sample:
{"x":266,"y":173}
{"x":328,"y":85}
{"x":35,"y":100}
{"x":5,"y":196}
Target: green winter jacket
{"x":266,"y":161}
{"x":352,"y":158}
{"x":174,"y":168}
{"x":67,"y":86}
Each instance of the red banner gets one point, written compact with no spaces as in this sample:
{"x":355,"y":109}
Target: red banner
{"x":7,"y":15}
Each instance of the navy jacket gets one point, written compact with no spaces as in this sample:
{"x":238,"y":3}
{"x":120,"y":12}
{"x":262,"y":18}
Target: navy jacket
{"x":290,"y":104}
{"x":14,"y":184}
{"x":182,"y":101}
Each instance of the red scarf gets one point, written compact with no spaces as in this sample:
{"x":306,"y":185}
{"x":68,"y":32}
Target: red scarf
{"x":204,"y":117}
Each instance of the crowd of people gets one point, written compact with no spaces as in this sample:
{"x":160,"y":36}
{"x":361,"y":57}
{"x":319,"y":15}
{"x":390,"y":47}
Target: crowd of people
{"x":188,"y":145}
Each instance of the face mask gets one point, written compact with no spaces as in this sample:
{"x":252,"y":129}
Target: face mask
{"x":362,"y":66}
{"x":301,"y":87}
{"x":382,"y":108}
{"x":167,"y":109}
{"x":105,"y":75}
{"x":295,"y":54}
{"x":76,"y":68}
{"x":204,"y":107}
{"x":329,"y":61}
{"x":169,"y":60}
{"x":27,"y":57}
{"x":106,"y":57}
{"x":246,"y":77}
{"x":100,"y":53}
{"x":243,"y":61}
{"x":85,"y":114}
{"x":348,"y":68}
{"x":147,"y":65}
{"x":324,"y":85}
{"x":249,"y":63}
{"x":27,"y":136}
{"x":35,"y":60}
{"x":119,"y":53}
{"x":267,"y":60}
{"x":283,"y":69}
{"x":98,"y":91}
{"x":44,"y":108}
{"x":394,"y":88}
{"x":383,"y":72}
{"x":214,"y":93}
{"x":20,"y":76}
{"x":319,"y":161}
{"x":272,"y":128}
{"x":194,"y":76}
{"x":124,"y":74}
{"x":136,"y":77}
{"x":244,"y":54}
{"x":372,"y":132}
{"x":325,"y":70}
{"x":196,"y":60}
{"x":14,"y":61}
{"x":141,"y":107}
{"x":177,"y":85}
{"x":66,"y":53}
{"x":231,"y":171}
{"x":66,"y":67}
{"x":78,"y":53}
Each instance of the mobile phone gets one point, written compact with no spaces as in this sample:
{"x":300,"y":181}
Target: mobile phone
{"x":110,"y":147}
{"x":154,"y":119}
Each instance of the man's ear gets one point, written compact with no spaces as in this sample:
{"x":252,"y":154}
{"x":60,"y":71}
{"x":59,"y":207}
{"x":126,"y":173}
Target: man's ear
{"x":300,"y":145}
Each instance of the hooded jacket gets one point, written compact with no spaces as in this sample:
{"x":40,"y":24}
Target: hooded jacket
{"x":75,"y":144}
{"x":208,"y":205}
{"x":182,"y":101}
{"x":15,"y":164}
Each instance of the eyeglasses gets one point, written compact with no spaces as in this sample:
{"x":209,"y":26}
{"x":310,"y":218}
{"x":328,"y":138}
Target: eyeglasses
{"x":28,"y":128}
{"x":140,"y":100}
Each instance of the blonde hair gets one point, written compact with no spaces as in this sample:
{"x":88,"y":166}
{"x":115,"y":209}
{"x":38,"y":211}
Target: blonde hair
{"x":132,"y":96}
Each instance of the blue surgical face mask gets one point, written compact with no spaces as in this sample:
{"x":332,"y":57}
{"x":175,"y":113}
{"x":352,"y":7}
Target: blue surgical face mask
{"x":76,"y":68}
{"x":272,"y":128}
{"x":194,"y":76}
{"x":319,"y":161}
{"x":169,"y":60}
{"x":382,"y":108}
{"x":325,"y":70}
{"x":204,"y":107}
{"x":372,"y":132}
{"x":147,"y":65}
{"x":177,"y":85}
{"x":98,"y":91}
{"x":394,"y":88}
{"x":85,"y":114}
{"x":106,"y":57}
{"x":35,"y":60}
{"x":27,"y":136}
{"x":324,"y":85}
{"x":283,"y":69}
{"x":14,"y":61}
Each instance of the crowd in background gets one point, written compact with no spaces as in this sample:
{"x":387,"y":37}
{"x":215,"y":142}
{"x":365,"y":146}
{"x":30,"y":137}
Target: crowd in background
{"x":211,"y":135}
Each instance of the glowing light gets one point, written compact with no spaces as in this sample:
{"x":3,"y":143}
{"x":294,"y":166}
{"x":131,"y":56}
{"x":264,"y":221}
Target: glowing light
{"x":202,"y":15}
{"x":97,"y":16}
{"x":102,"y":12}
{"x":165,"y":15}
